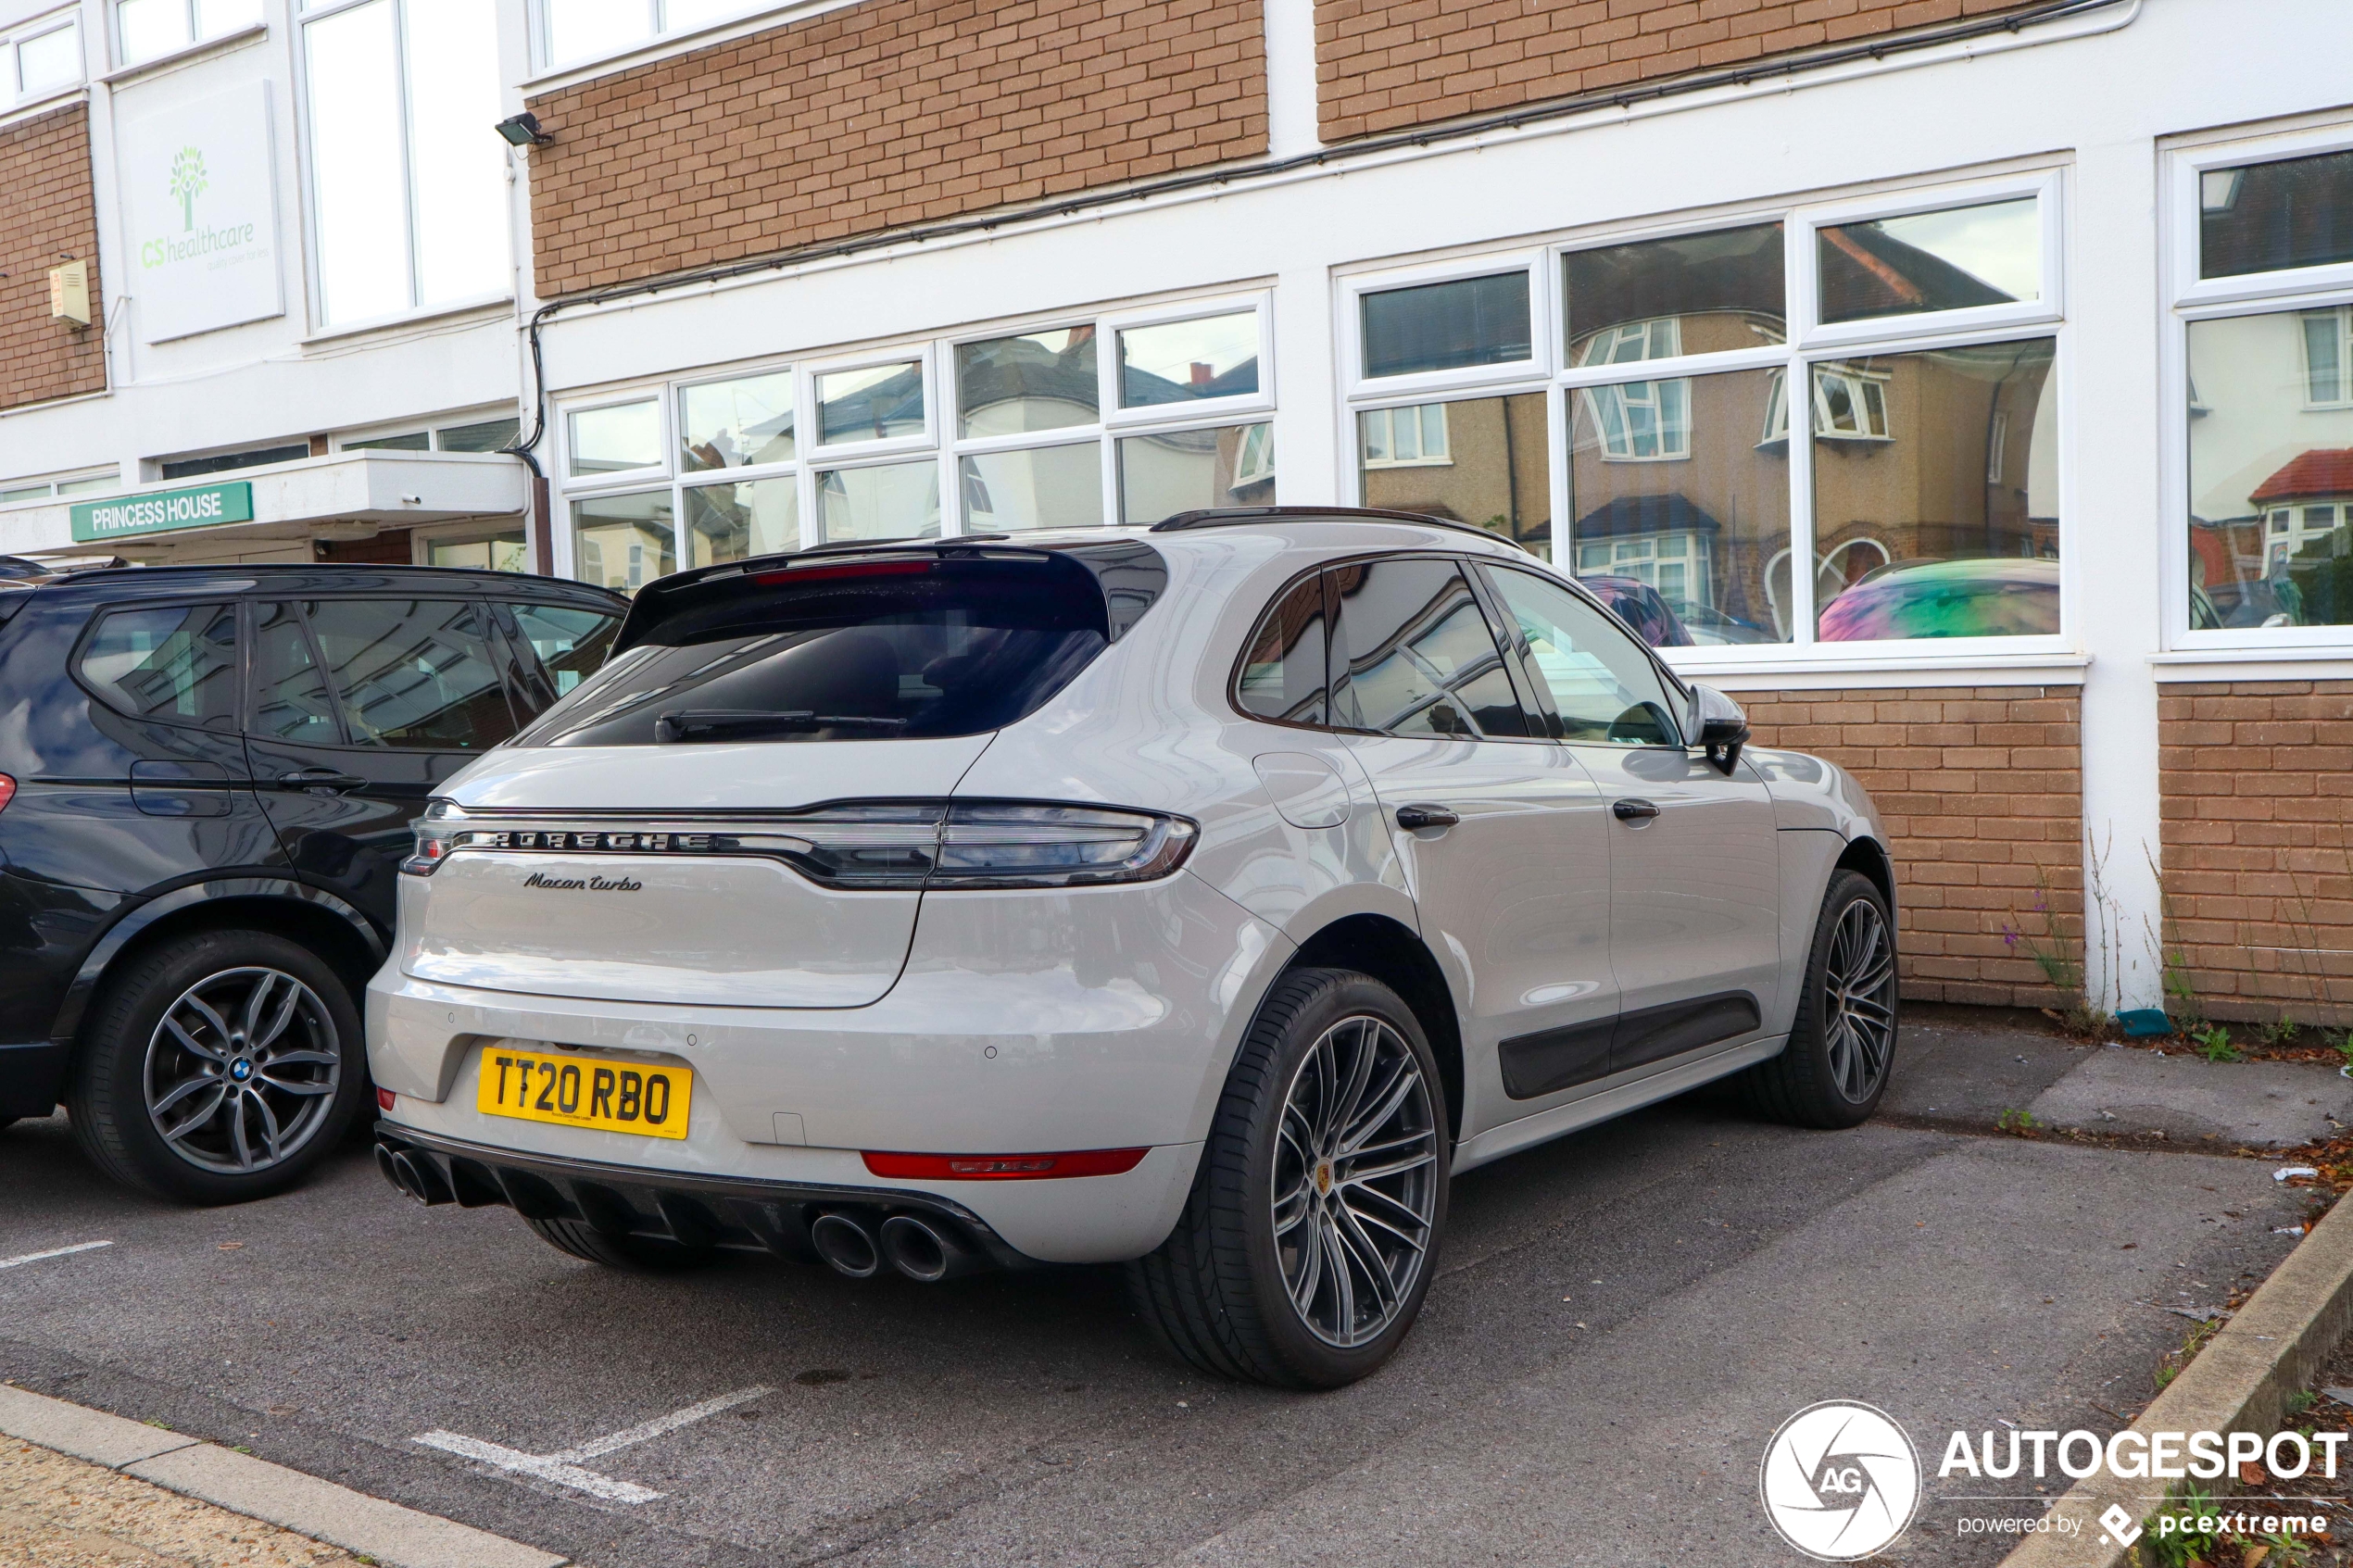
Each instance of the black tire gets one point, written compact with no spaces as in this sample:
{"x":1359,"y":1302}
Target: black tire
{"x":107,"y":1099}
{"x":1815,"y":1082}
{"x":1215,"y":1293}
{"x":636,"y":1253}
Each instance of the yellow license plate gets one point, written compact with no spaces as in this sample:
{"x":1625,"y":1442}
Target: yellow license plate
{"x":582,"y":1091}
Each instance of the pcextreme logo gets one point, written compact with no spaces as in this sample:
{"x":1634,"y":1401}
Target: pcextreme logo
{"x":189,"y":181}
{"x":1840,"y":1480}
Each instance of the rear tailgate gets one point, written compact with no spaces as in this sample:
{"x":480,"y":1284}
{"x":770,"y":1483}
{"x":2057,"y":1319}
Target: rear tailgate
{"x":627,"y":890}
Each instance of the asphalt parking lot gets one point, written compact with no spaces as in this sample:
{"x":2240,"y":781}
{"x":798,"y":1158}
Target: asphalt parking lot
{"x":1621,"y":1321}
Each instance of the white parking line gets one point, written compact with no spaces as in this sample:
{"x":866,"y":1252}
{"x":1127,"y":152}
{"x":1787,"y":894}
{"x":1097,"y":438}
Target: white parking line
{"x":562,"y":1468}
{"x":53,"y":1252}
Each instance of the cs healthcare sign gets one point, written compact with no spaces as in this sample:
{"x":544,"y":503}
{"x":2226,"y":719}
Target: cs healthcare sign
{"x":199,"y":197}
{"x":97,"y":521}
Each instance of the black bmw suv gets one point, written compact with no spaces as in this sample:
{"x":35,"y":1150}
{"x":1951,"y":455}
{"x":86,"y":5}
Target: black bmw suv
{"x":206,"y":776}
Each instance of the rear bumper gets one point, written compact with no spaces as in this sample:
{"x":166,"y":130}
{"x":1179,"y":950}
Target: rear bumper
{"x":33,"y":1078}
{"x":1030,"y":1023}
{"x":733,"y":1213}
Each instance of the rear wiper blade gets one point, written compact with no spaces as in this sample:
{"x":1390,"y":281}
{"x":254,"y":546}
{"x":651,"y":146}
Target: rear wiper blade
{"x":707,"y":723}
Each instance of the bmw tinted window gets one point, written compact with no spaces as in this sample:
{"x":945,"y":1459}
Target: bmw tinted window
{"x":882,"y":649}
{"x":177,"y":663}
{"x":1413,"y":654}
{"x":560,"y":647}
{"x":412,"y":673}
{"x":290,"y":696}
{"x":1282,"y":676}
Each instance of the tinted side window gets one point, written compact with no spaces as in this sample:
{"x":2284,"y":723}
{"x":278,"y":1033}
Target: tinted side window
{"x":412,"y":673}
{"x":177,"y":663}
{"x":290,"y":696}
{"x":1415,"y":656}
{"x":1283,"y":672}
{"x":1603,"y":685}
{"x":559,"y":647}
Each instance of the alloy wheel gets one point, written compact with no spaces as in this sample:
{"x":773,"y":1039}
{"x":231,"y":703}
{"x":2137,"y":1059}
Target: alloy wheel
{"x":1356,"y":1185}
{"x":242,"y":1071}
{"x":1859,"y":1000}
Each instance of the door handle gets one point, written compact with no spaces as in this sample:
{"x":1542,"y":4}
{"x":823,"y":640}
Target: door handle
{"x":1411,"y":816}
{"x":1632,"y":811}
{"x":319,"y":778}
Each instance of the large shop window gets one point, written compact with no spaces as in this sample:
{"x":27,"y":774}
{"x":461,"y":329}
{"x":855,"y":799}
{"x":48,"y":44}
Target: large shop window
{"x":2269,"y":388}
{"x":1128,"y":418}
{"x":1645,"y":441}
{"x":408,"y":195}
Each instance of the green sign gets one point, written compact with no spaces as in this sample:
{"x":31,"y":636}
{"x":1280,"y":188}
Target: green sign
{"x":94,"y":522}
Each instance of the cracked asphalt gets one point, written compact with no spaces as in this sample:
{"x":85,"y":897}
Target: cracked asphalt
{"x":1620,"y":1322}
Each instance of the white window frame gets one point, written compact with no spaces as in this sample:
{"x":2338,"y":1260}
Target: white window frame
{"x":619,"y":479}
{"x":1422,"y":459}
{"x":940,"y":444}
{"x":315,"y":282}
{"x":1806,"y":327}
{"x":2180,"y":189}
{"x":196,"y":39}
{"x":2344,"y":322}
{"x":1808,"y":343}
{"x":13,"y":97}
{"x":1351,"y":325}
{"x":431,"y":427}
{"x":1195,"y":411}
{"x":2190,"y":299}
{"x":49,"y":483}
{"x":663,"y":39}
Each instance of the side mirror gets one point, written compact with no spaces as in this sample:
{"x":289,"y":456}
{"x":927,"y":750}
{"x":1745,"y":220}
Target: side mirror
{"x":1718,"y":726}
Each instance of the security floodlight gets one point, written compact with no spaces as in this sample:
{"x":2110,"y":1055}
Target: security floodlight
{"x":523,"y":130}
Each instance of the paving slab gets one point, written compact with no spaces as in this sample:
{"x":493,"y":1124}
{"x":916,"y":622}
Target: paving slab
{"x":56,"y":1511}
{"x":2246,"y":1104}
{"x":1967,"y":1074}
{"x":110,"y":1440}
{"x":398,"y":1537}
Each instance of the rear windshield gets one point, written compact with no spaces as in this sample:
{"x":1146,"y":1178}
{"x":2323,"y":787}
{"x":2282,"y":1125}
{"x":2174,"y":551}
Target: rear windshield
{"x":893,"y":649}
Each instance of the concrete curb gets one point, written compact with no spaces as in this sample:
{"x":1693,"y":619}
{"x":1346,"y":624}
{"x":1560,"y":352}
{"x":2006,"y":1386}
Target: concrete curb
{"x":394,"y":1536}
{"x":2242,"y":1380}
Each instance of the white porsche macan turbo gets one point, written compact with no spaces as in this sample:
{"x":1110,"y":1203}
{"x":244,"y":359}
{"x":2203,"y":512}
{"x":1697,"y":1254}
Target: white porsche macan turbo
{"x":1199,"y":898}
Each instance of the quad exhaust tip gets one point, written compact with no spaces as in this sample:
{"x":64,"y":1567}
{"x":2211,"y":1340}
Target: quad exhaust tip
{"x":413,"y":1175}
{"x":845,"y":1244}
{"x":926,"y":1252}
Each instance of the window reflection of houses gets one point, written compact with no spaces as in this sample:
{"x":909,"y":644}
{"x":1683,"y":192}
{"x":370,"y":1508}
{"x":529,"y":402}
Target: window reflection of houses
{"x":1684,"y":483}
{"x":2270,"y":439}
{"x":1480,"y":460}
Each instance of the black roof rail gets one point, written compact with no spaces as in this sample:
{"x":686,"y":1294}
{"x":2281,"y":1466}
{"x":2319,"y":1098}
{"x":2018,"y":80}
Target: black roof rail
{"x":1235,"y":517}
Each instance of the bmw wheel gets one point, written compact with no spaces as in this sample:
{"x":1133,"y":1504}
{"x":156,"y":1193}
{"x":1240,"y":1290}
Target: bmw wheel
{"x":1843,"y":1044}
{"x":1308,"y":1243}
{"x":218,"y":1068}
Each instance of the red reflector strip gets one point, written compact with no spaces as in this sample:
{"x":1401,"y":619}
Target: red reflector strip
{"x":1004,"y":1167}
{"x":822,"y":573}
{"x":7,"y":789}
{"x":384,"y":1099}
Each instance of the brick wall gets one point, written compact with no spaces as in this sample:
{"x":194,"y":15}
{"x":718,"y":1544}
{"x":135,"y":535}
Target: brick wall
{"x":45,"y":169}
{"x":1382,"y":64}
{"x":1981,"y":791}
{"x":882,"y":114}
{"x":2257,"y":788}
